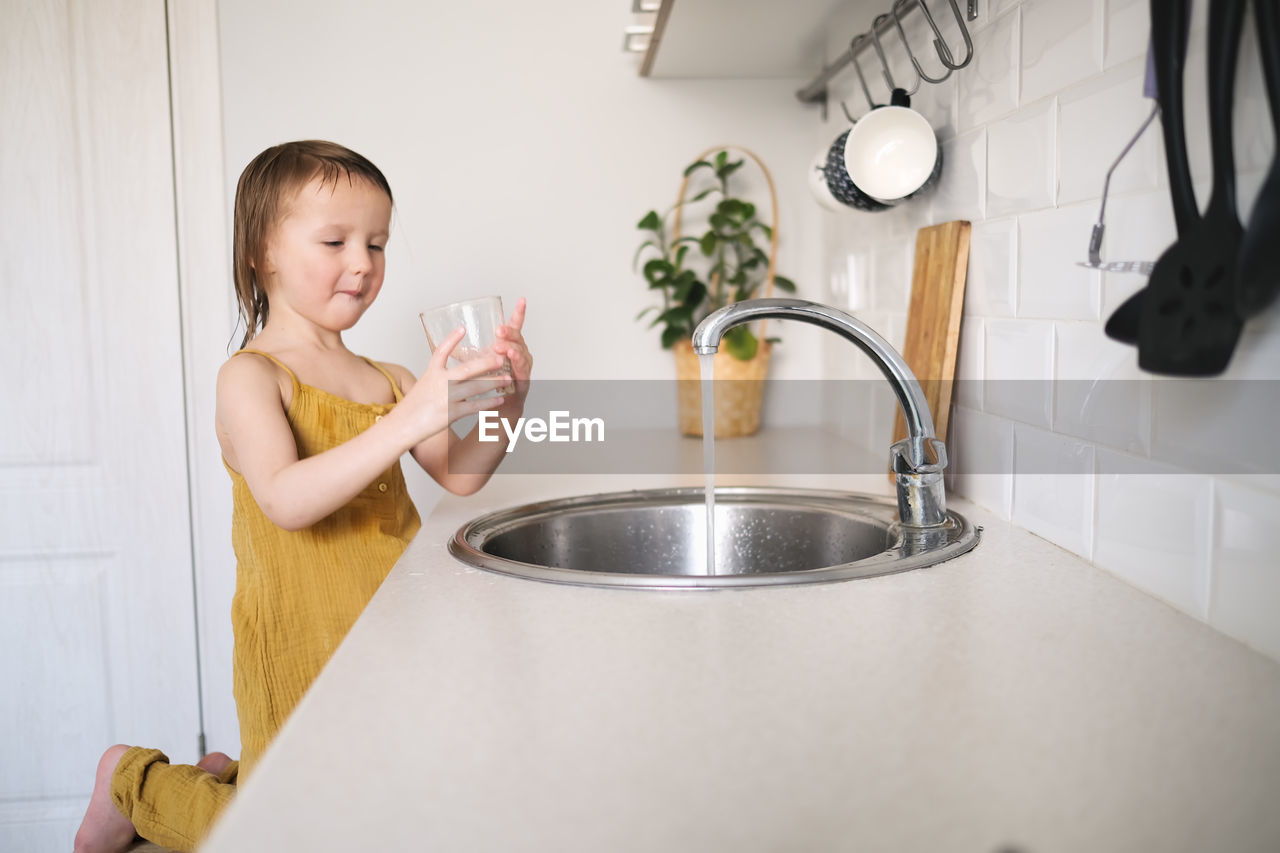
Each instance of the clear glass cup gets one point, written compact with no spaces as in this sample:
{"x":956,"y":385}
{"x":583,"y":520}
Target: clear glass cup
{"x":481,"y":317}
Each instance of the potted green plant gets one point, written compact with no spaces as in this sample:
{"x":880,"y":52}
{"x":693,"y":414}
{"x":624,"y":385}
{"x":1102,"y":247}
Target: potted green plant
{"x":695,"y":275}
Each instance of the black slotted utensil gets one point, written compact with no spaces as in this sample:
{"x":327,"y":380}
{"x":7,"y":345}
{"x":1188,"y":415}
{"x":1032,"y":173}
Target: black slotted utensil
{"x":1258,"y":279}
{"x":1170,"y":26}
{"x":1189,"y":325}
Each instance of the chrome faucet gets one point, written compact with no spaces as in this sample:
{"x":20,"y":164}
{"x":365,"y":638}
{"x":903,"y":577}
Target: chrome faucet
{"x":918,"y":460}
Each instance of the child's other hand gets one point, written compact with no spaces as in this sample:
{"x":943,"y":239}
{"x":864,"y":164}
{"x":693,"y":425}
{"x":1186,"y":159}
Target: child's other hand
{"x":445,"y":394}
{"x":511,"y":345}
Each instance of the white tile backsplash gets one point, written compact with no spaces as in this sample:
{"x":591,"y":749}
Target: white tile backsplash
{"x":992,"y":286}
{"x":1096,"y":120}
{"x":962,"y":189}
{"x":967,"y":390}
{"x":1061,"y":44}
{"x":1174,"y":486}
{"x":1020,"y":160}
{"x":987,"y":88}
{"x":891,"y":275}
{"x":1245,"y":597}
{"x":1017,"y":371}
{"x":1150,"y":529}
{"x":1139,"y":227}
{"x":1099,"y":394}
{"x":1053,"y":488}
{"x":1052,"y":284}
{"x":982,"y":450}
{"x":1125,"y":31}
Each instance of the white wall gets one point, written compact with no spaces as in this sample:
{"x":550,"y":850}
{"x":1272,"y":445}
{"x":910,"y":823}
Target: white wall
{"x":1028,"y":131}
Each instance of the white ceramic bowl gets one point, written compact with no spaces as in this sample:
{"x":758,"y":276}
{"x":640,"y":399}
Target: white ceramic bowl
{"x":890,"y":153}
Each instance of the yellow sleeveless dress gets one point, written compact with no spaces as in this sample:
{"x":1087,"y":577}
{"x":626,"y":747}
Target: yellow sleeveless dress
{"x":297,"y":594}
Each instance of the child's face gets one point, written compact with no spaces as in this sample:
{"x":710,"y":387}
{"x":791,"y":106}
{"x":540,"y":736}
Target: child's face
{"x":325,"y":261}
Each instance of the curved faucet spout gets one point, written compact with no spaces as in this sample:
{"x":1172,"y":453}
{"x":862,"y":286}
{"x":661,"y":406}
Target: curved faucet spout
{"x":921,"y":500}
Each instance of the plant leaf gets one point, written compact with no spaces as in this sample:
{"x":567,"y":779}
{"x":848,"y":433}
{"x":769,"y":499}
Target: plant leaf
{"x":783,"y":283}
{"x":740,"y":343}
{"x":693,"y":167}
{"x":635,"y":260}
{"x":721,"y":157}
{"x":650,"y":222}
{"x":700,"y":196}
{"x":658,"y":268}
{"x":694,"y":296}
{"x":671,"y":334}
{"x":708,"y":243}
{"x":680,"y":315}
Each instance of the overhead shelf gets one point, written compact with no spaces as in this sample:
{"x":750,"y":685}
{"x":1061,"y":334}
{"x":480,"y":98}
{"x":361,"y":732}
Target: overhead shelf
{"x":739,"y":38}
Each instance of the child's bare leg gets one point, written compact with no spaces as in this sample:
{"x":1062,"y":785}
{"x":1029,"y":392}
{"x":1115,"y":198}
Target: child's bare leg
{"x":104,"y":829}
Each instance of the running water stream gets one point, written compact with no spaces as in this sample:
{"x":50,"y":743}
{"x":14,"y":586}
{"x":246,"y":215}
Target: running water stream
{"x":708,"y":365}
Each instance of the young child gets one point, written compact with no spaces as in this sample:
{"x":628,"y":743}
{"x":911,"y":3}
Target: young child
{"x":312,"y":435}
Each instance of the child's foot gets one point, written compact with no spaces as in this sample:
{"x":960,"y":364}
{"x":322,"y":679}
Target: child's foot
{"x":104,"y":829}
{"x":214,"y":762}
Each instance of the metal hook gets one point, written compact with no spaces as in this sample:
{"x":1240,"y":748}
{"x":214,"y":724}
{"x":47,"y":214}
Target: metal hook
{"x":940,"y":43}
{"x":854,"y":46}
{"x":897,"y":20}
{"x":884,"y":63}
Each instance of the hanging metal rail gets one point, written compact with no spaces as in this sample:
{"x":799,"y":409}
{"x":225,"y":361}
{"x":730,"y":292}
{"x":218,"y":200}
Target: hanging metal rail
{"x":816,"y":91}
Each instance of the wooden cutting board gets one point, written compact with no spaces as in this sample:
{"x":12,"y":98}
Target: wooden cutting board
{"x":933,"y":320}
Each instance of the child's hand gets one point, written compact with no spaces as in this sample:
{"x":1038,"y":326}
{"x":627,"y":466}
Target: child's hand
{"x":511,"y":345}
{"x":445,"y":394}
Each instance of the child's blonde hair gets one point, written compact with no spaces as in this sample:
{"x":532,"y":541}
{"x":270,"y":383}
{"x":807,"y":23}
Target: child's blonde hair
{"x":266,"y":187}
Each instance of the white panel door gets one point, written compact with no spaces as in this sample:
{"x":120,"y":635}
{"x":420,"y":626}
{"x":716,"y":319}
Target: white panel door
{"x":97,"y":636}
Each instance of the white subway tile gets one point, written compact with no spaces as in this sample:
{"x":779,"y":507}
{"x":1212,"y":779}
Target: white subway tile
{"x":937,"y":101}
{"x":1096,"y":120}
{"x":1252,"y":128}
{"x":1017,"y":370}
{"x":988,"y":87}
{"x":891,"y":276}
{"x":990,"y":11}
{"x":1100,"y":394}
{"x":1061,"y":44}
{"x":991,"y":288}
{"x":961,"y":192}
{"x":983,"y":459}
{"x":992,"y":285}
{"x":1153,"y":529}
{"x":1126,"y":31}
{"x":1217,"y":426}
{"x":969,"y":367}
{"x":1051,"y":283}
{"x":1053,"y":488}
{"x":1138,"y":228}
{"x":858,"y":280}
{"x":1020,"y":160}
{"x":1246,"y":574}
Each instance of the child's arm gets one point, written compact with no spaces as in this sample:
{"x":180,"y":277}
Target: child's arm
{"x":295,"y":493}
{"x":464,"y":465}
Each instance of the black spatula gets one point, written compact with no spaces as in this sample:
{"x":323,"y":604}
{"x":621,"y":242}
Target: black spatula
{"x":1189,"y":325}
{"x":1258,"y":279}
{"x":1170,"y":24}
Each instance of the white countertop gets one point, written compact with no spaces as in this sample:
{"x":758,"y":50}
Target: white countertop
{"x":1015,"y":698}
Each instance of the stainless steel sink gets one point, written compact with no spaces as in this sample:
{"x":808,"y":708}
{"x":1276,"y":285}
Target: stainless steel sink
{"x":657,"y":539}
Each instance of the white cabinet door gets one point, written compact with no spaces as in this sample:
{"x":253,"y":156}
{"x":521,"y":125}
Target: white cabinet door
{"x":97,"y":636}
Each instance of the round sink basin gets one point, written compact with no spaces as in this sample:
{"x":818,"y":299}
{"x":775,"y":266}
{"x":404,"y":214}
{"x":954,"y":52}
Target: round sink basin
{"x":657,"y":539}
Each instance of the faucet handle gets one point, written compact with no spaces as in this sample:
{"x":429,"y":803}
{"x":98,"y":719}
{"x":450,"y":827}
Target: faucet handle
{"x":911,"y":456}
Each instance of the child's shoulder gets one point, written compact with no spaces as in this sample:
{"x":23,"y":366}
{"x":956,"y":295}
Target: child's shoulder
{"x":249,"y":371}
{"x":399,"y":372}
